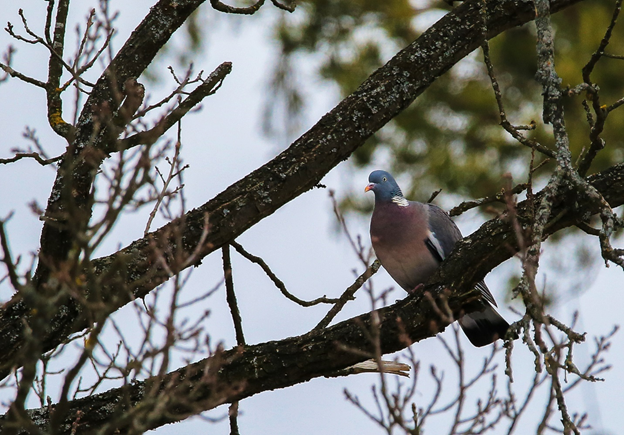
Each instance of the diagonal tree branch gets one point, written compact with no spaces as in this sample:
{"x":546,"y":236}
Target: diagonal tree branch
{"x":381,"y":97}
{"x":258,"y":368}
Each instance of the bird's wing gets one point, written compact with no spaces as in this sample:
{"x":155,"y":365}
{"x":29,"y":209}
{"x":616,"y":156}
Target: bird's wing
{"x":444,"y":232}
{"x":444,"y":235}
{"x":434,"y":247}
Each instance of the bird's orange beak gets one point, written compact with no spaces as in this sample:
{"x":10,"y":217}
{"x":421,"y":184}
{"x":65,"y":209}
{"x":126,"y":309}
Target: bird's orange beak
{"x":369,"y":187}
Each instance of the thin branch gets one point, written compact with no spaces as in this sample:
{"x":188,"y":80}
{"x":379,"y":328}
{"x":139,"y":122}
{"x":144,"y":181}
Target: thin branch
{"x":499,"y":197}
{"x":615,"y":105}
{"x":250,"y":10}
{"x":33,"y":155}
{"x":348,"y":295}
{"x":182,"y":84}
{"x":596,"y":142}
{"x":278,"y":282}
{"x":55,"y":71}
{"x":588,"y":229}
{"x":18,"y":75}
{"x":208,"y":87}
{"x":231,"y":296}
{"x":433,"y":196}
{"x":233,"y":414}
{"x":48,"y":24}
{"x":600,"y":51}
{"x":90,"y":62}
{"x":6,"y":256}
{"x":173,"y":165}
{"x":514,"y":131}
{"x":613,"y":56}
{"x":238,"y":326}
{"x":288,"y":8}
{"x":568,"y":424}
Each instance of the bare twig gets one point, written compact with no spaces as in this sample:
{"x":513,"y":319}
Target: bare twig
{"x":348,"y":295}
{"x":600,"y":51}
{"x":173,"y":172}
{"x":499,"y":197}
{"x":6,"y":256}
{"x":233,"y":416}
{"x":278,"y":282}
{"x":179,"y":90}
{"x":208,"y":87}
{"x":364,"y":254}
{"x":596,"y":142}
{"x":231,"y":296}
{"x":288,"y":8}
{"x":514,"y":131}
{"x":250,"y":10}
{"x":18,"y":75}
{"x":434,"y":195}
{"x":615,"y":105}
{"x":32,"y":155}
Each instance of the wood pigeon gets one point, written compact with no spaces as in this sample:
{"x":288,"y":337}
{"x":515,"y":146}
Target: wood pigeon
{"x":411,"y":239}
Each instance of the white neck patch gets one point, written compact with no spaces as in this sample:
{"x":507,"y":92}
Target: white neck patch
{"x":400,"y":201}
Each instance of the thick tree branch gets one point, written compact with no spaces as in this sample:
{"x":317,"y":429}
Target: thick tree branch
{"x":381,"y":97}
{"x":263,"y":367}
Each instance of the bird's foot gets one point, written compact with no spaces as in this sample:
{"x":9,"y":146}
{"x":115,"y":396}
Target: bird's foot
{"x":416,"y":289}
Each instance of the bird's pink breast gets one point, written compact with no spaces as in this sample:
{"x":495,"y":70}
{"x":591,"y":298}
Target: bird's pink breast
{"x":398,"y":235}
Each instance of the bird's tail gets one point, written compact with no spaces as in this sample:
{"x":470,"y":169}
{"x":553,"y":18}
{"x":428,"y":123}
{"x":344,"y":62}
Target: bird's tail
{"x":483,"y":327}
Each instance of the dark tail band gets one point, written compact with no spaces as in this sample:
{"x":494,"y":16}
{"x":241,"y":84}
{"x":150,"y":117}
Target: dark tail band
{"x":483,"y":327}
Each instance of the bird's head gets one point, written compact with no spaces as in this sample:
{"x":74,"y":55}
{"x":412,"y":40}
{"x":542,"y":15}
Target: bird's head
{"x":383,"y":185}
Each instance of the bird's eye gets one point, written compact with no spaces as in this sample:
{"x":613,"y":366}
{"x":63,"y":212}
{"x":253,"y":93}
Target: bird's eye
{"x":385,"y":179}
